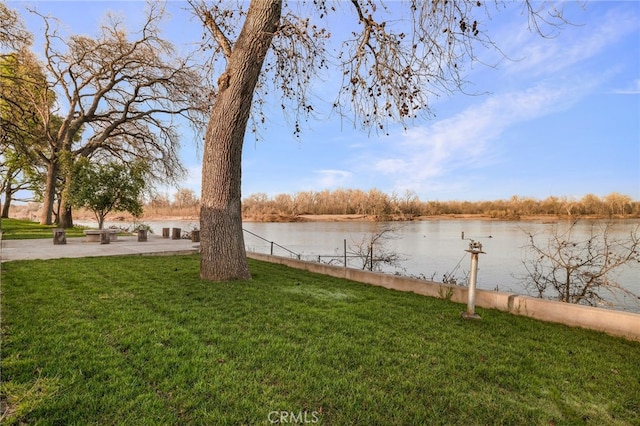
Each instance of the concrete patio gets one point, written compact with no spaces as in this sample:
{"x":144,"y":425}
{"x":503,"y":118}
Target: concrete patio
{"x":79,"y":247}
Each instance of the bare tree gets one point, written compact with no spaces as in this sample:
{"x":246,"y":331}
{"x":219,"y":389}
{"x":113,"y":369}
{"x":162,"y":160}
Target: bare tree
{"x":617,"y":203}
{"x":13,"y":34}
{"x":373,"y":250}
{"x":185,"y":197}
{"x":592,"y":204}
{"x":121,"y":96}
{"x":375,"y":204}
{"x":395,"y":60}
{"x":580,"y":271}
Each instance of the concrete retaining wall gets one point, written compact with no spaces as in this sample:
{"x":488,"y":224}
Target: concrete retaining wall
{"x":618,"y":323}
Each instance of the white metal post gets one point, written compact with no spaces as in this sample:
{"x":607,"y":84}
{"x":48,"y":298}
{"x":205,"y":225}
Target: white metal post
{"x":475,"y":248}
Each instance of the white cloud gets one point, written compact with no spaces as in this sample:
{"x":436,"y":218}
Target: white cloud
{"x":331,"y":178}
{"x":535,"y":55}
{"x":632,"y":89}
{"x":391,"y":165}
{"x":447,"y":149}
{"x":549,"y":81}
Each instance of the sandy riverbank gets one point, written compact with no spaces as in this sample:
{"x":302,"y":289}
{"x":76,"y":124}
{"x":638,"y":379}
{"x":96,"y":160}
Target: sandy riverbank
{"x":399,"y":218}
{"x":22,"y":212}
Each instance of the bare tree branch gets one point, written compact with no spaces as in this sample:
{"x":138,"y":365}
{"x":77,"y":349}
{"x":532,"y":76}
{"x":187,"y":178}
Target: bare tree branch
{"x":373,"y":251}
{"x":580,"y":271}
{"x":13,"y":34}
{"x":123,"y":94}
{"x":401,"y":56}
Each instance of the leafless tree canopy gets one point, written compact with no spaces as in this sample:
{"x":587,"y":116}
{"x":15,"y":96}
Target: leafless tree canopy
{"x":373,"y":251}
{"x":393,"y":59}
{"x":124,"y":90}
{"x":580,"y":271}
{"x":121,"y":95}
{"x":13,"y":34}
{"x":344,"y":201}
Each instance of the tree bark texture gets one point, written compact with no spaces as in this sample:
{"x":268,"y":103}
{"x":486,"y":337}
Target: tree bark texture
{"x":222,"y":248}
{"x":49,"y":193}
{"x":8,"y":194}
{"x":66,"y":214}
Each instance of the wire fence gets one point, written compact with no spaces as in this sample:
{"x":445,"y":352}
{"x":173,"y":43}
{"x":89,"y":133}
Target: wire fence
{"x":274,"y":244}
{"x":367,"y":260}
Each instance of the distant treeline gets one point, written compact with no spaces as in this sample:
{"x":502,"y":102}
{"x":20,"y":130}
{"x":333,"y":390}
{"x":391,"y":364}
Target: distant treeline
{"x":378,"y":204}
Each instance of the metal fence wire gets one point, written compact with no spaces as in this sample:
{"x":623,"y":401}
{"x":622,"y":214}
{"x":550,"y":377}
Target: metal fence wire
{"x":345,"y":259}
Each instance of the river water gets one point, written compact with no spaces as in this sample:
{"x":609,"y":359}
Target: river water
{"x":428,"y":249}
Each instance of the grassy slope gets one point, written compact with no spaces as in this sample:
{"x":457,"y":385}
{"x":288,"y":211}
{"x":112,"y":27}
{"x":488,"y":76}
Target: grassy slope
{"x":135,"y":340}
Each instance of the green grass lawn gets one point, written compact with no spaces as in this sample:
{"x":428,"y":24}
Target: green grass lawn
{"x":14,"y":229}
{"x":143,"y":341}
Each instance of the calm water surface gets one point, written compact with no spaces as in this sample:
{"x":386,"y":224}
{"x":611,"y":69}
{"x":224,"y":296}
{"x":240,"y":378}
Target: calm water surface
{"x":430,"y":249}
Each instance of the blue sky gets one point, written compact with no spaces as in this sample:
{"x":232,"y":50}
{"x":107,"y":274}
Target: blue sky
{"x":561,"y":117}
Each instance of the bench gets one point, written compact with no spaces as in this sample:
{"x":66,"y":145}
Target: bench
{"x":95,"y":235}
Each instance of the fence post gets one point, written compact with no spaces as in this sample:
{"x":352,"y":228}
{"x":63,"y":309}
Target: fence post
{"x":345,"y":252}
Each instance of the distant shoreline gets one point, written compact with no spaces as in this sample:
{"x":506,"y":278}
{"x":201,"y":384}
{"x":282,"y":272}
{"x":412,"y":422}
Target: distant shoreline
{"x":370,"y":218}
{"x":85,"y":215}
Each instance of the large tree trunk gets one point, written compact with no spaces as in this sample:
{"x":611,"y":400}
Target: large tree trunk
{"x":49,"y":193}
{"x":223,"y":255}
{"x":5,"y":208}
{"x":8,"y":195}
{"x":66,"y":216}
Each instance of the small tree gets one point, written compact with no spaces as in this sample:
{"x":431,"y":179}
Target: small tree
{"x":103,"y":188}
{"x":580,"y":271}
{"x":373,"y":251}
